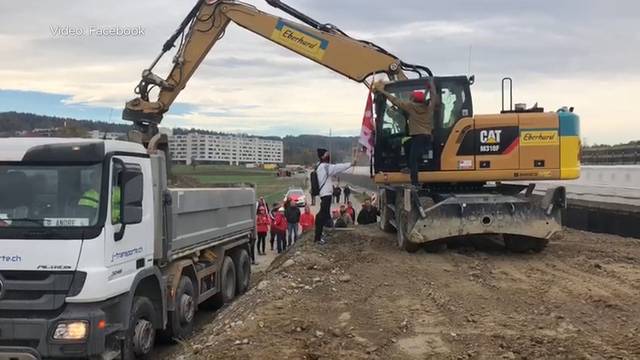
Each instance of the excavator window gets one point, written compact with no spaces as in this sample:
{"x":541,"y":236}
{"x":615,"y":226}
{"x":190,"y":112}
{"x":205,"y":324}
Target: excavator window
{"x":392,"y":132}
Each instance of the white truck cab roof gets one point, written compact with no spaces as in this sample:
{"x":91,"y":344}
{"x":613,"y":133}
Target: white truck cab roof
{"x":18,"y":149}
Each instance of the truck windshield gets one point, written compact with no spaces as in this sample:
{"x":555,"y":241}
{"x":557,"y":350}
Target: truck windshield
{"x":49,"y":196}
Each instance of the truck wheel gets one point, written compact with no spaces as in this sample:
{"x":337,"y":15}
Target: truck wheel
{"x":180,"y":323}
{"x":141,"y":335}
{"x":385,"y":213}
{"x":243,"y":271}
{"x":402,"y":224}
{"x":228,"y":289}
{"x":403,"y":241}
{"x":227,"y":286}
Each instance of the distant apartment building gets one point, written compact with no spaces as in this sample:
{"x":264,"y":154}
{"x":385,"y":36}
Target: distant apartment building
{"x":48,"y":132}
{"x":97,"y":134}
{"x":231,"y":149}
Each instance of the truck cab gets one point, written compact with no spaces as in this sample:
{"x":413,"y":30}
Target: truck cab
{"x":98,"y":253}
{"x":73,"y":232}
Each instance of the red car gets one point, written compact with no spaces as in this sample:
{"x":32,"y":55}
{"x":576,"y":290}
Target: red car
{"x":296,"y":196}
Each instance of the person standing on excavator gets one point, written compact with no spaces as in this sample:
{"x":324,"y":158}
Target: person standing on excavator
{"x":420,"y":112}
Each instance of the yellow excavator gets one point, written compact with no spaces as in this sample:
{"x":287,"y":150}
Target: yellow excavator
{"x":464,"y":175}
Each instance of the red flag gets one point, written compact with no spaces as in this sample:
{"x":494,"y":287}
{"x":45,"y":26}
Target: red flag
{"x":367,"y":139}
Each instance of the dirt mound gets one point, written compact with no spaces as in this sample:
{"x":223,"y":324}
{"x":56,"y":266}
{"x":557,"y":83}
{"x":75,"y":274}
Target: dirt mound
{"x":358,"y":297}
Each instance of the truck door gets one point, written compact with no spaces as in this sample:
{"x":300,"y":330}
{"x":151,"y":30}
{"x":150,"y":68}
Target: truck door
{"x":128,"y":248}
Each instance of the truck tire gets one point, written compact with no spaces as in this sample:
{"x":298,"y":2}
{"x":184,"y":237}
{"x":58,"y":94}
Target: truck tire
{"x":227,"y":286}
{"x":141,"y":334}
{"x":180,"y":322}
{"x":385,"y":213}
{"x":243,"y":271}
{"x":402,"y":224}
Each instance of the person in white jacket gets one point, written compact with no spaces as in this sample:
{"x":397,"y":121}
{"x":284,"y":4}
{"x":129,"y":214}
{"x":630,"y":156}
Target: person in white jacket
{"x":326,"y":171}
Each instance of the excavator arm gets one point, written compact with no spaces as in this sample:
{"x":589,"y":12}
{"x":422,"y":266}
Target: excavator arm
{"x":205,"y":26}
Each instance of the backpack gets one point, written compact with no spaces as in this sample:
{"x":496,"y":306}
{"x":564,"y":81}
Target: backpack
{"x":315,"y":184}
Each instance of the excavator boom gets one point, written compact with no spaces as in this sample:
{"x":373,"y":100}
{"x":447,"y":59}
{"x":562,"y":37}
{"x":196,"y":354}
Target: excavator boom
{"x":206,"y":24}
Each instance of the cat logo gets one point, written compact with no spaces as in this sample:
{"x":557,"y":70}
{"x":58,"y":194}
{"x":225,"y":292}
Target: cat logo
{"x":490,"y":137}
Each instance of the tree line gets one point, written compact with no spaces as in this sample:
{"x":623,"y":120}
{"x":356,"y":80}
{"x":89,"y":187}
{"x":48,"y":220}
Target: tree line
{"x":299,"y":149}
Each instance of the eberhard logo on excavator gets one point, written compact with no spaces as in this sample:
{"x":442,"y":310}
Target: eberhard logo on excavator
{"x":299,"y":41}
{"x":539,"y":137}
{"x":463,"y":175}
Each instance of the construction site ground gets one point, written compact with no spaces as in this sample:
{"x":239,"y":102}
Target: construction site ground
{"x":359,"y":297}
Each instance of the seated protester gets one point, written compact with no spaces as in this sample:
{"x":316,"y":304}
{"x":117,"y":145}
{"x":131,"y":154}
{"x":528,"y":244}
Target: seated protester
{"x":368,"y":214}
{"x":351,"y":211}
{"x":344,"y":220}
{"x":335,"y":215}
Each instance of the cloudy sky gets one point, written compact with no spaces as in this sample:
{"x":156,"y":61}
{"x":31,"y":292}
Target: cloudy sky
{"x":583,"y":53}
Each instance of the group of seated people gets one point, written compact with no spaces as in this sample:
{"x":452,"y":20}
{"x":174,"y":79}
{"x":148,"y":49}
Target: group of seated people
{"x":345,"y":216}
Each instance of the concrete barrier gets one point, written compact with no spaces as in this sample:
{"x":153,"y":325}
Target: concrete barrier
{"x":613,"y":176}
{"x":606,"y":199}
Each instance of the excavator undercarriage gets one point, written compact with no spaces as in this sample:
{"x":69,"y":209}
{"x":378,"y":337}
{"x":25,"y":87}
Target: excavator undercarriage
{"x":432,"y":217}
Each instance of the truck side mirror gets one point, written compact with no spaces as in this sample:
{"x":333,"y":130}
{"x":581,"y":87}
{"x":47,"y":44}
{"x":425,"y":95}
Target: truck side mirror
{"x":132,"y":190}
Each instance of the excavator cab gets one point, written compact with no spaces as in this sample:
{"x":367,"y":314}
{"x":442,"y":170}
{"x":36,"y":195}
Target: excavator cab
{"x":392,"y":137}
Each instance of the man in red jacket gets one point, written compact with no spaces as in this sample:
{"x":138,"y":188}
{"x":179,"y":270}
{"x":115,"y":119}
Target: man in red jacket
{"x":280,"y":227}
{"x":262,"y":228}
{"x":307,"y":219}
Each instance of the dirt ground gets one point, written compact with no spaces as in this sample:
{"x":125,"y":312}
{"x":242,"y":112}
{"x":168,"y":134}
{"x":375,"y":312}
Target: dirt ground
{"x":361,"y":298}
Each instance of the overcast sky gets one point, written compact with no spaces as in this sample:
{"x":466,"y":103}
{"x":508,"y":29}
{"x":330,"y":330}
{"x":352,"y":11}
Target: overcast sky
{"x":582,"y":53}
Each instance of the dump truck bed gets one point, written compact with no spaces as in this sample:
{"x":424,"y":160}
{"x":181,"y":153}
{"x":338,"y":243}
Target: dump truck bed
{"x":205,"y":217}
{"x":192,"y":219}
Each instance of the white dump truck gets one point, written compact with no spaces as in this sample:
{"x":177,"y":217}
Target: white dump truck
{"x":98,"y":255}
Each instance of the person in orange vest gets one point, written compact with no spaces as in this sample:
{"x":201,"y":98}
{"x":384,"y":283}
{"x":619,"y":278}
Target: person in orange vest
{"x":307,"y":219}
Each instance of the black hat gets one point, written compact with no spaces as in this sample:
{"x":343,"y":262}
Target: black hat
{"x":322,"y":152}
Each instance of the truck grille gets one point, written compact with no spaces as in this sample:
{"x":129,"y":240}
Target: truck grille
{"x":20,"y":343}
{"x":34,"y":290}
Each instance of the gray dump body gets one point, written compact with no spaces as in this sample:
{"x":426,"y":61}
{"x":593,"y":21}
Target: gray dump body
{"x":206,"y":216}
{"x":194,"y":219}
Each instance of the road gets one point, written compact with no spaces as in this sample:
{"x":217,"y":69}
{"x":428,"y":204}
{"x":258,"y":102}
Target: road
{"x":361,"y":298}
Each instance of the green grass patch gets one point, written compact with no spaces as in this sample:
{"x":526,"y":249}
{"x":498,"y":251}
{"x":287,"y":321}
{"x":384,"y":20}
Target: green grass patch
{"x":265,"y":182}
